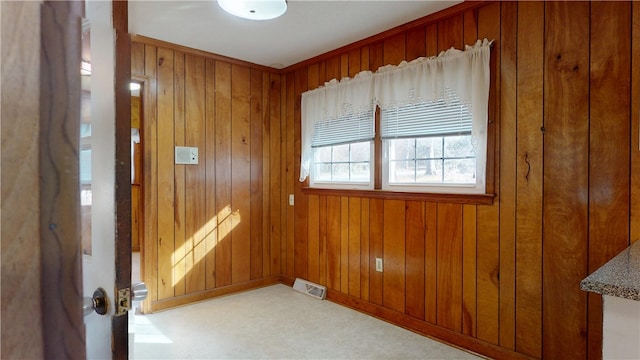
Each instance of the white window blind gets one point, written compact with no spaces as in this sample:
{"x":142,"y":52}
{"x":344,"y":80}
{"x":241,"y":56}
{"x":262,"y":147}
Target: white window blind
{"x":344,"y":130}
{"x":439,"y":118}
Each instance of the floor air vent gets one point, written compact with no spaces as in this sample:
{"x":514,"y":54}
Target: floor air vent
{"x":309,"y":288}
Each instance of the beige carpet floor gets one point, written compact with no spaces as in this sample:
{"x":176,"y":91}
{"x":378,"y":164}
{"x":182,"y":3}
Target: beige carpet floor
{"x":276,"y":322}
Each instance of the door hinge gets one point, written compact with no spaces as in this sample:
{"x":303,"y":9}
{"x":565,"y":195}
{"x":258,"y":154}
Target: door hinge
{"x":123,"y":301}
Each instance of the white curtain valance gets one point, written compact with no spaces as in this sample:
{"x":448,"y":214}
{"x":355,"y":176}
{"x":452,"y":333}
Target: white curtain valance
{"x":420,"y":81}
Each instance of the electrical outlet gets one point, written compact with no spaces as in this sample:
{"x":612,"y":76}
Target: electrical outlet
{"x":379,"y":264}
{"x":291,"y":199}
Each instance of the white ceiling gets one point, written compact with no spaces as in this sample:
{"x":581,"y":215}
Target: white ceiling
{"x":307,"y":29}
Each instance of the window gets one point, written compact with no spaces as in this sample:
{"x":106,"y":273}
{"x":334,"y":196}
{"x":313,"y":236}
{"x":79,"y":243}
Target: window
{"x":429,"y":135}
{"x":430,"y":147}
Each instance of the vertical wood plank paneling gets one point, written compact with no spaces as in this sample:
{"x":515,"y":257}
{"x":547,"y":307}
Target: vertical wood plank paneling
{"x":470,"y":26}
{"x":364,"y":250}
{"x":565,"y":211}
{"x":364,"y":58}
{"x":211,"y":215}
{"x":529,"y":101}
{"x":322,"y":240}
{"x":415,"y":239}
{"x":313,"y":266}
{"x":488,"y":237}
{"x":469,"y":268}
{"x":344,"y":244}
{"x":315,"y":270}
{"x":223,"y":172}
{"x":301,"y":208}
{"x":416,"y":44}
{"x":288,"y":176}
{"x":609,"y":144}
{"x":449,"y":272}
{"x":354,"y":63}
{"x":431,"y":39}
{"x":376,"y":56}
{"x":394,"y":49}
{"x":179,"y":256}
{"x":275,"y":169}
{"x":240,"y":173}
{"x":256,"y":187}
{"x":266,"y":174}
{"x":376,"y":250}
{"x":165,"y":173}
{"x":332,"y":68}
{"x":195,"y":174}
{"x":150,"y":189}
{"x":508,"y":36}
{"x":333,"y":217}
{"x":469,"y":217}
{"x":137,"y":59}
{"x":354,"y":246}
{"x":344,"y":66}
{"x":431,"y":262}
{"x":393,"y":242}
{"x":285,"y":247}
{"x":635,"y":123}
{"x":450,"y":33}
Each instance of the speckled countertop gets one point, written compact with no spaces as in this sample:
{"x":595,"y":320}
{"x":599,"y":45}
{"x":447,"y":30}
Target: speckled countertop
{"x":619,"y":277}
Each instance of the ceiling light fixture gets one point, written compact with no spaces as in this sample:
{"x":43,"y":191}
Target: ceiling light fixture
{"x":254,"y":9}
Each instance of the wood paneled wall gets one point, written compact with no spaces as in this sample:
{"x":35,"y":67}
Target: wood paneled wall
{"x":502,"y":280}
{"x":213,"y":227}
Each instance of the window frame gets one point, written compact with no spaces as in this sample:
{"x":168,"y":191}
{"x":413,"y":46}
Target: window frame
{"x":320,"y":184}
{"x":485,"y":197}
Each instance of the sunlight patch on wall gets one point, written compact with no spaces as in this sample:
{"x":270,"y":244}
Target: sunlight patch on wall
{"x":203,"y":241}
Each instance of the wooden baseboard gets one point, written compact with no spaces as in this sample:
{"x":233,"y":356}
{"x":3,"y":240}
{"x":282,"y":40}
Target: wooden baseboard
{"x":424,"y":328}
{"x":165,"y":304}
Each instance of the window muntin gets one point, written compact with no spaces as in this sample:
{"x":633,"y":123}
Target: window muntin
{"x":343,"y":166}
{"x":431,"y":161}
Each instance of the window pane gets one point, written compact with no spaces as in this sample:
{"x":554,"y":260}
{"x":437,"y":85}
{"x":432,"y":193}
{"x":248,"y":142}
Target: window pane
{"x":458,"y":146}
{"x":429,"y":148}
{"x":323,"y":154}
{"x":429,"y":171}
{"x":323,"y":172}
{"x":402,"y":172}
{"x":341,"y":153}
{"x":402,"y":149}
{"x":360,"y":151}
{"x":340,"y":172}
{"x":360,"y":172}
{"x":460,"y":171}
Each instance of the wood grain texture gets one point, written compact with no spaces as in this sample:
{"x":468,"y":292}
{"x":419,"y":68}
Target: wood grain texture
{"x":240,"y":174}
{"x":635,"y":123}
{"x":565,"y":204}
{"x":488,"y":235}
{"x":364,"y":249}
{"x":301,"y":206}
{"x":469,"y":270}
{"x":211,"y":214}
{"x":431,"y":263}
{"x":449,"y":269}
{"x":21,"y":248}
{"x":150,"y":190}
{"x":376,"y":250}
{"x":179,"y":260}
{"x":256,"y":181}
{"x":195,"y":219}
{"x":223,"y":174}
{"x":290,"y":177}
{"x":165,"y":175}
{"x":313,"y":234}
{"x":393,"y":242}
{"x":275,"y":168}
{"x":415,"y":252}
{"x":354,"y":246}
{"x":529,"y":150}
{"x":344,"y":244}
{"x":609,"y":143}
{"x":508,"y":140}
{"x":333,"y":218}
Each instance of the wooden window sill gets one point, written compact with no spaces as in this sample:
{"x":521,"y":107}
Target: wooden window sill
{"x":473,"y":199}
